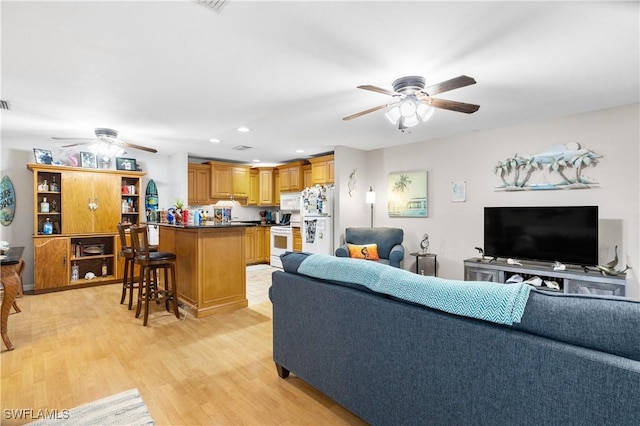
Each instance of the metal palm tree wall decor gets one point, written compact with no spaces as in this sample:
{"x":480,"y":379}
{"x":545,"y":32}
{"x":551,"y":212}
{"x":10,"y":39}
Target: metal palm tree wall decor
{"x":565,"y":163}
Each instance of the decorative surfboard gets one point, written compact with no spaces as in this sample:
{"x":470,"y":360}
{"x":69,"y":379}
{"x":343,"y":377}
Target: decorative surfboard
{"x":7,"y":201}
{"x":151,"y":197}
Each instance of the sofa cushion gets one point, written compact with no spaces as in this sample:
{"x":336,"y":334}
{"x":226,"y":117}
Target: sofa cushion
{"x":364,"y":251}
{"x":604,"y":323}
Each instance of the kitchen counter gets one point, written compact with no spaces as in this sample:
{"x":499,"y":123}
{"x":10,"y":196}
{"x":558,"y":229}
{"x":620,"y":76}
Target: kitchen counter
{"x":210,"y":266}
{"x":217,"y":225}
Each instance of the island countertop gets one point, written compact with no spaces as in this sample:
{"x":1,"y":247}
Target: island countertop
{"x":210,"y":266}
{"x":216,"y":225}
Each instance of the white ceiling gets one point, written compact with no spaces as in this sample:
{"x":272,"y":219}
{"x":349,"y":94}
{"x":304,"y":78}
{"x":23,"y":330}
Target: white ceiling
{"x":172,"y":74}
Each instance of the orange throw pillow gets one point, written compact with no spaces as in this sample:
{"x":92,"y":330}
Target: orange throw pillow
{"x":365,"y":251}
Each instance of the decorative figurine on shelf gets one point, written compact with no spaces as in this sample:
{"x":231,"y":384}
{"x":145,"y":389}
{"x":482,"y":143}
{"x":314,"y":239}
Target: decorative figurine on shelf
{"x":480,"y":251}
{"x":610,"y":267}
{"x":424,"y":244}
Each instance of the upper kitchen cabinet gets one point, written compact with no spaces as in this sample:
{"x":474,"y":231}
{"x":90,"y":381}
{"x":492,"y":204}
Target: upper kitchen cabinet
{"x":199,"y":184}
{"x":322,"y":170}
{"x":265,"y":186}
{"x":261,"y":191}
{"x":291,"y":177}
{"x":229,"y":180}
{"x":307,"y":178}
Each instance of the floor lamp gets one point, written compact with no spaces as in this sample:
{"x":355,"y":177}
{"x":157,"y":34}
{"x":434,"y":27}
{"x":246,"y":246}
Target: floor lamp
{"x":370,"y":198}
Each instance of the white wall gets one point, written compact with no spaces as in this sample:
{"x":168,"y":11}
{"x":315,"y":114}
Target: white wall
{"x":456,"y":228}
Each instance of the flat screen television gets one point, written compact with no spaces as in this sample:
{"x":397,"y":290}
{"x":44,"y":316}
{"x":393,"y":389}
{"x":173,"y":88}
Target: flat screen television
{"x":563,"y":234}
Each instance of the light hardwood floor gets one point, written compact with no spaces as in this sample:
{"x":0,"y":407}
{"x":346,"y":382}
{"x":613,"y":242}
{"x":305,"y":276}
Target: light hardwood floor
{"x":77,"y":346}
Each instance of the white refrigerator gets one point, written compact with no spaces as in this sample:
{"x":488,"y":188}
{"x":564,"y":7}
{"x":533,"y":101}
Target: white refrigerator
{"x":317,"y":219}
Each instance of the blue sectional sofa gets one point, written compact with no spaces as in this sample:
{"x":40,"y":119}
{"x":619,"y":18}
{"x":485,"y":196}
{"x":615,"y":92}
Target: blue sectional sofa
{"x":570,"y":360}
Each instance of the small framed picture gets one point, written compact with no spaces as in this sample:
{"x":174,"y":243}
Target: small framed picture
{"x":88,"y":159}
{"x":125,"y":163}
{"x":42,"y":156}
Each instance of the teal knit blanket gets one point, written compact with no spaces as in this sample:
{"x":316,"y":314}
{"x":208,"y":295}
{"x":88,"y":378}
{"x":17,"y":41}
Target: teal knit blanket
{"x":499,"y":303}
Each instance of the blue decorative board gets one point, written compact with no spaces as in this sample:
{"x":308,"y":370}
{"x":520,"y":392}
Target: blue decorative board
{"x":7,"y":201}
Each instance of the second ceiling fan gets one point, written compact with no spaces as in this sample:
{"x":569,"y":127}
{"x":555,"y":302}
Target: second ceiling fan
{"x":107,"y":136}
{"x":415,"y":102}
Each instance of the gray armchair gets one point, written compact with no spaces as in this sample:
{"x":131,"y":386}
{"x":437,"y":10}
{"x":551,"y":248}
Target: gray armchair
{"x":389,"y":241}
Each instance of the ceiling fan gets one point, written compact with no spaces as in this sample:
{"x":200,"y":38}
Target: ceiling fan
{"x":106,"y":136}
{"x":414,"y":103}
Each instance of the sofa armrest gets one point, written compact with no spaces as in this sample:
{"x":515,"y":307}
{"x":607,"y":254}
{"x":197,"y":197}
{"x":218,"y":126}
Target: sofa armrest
{"x":342,"y":251}
{"x":396,"y":256}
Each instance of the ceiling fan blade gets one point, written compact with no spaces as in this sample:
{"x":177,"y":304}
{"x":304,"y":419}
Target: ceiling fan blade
{"x":445,"y":86}
{"x":378,"y":90}
{"x":452,"y":105}
{"x":72,"y":139}
{"x":75,"y":144}
{"x":140,"y":147}
{"x":361,"y":113}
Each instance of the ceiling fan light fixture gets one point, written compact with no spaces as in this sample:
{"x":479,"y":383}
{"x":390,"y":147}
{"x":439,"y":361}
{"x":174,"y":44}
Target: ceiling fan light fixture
{"x":393,"y":114}
{"x":424,"y":111}
{"x":408,"y":108}
{"x":410,"y":121}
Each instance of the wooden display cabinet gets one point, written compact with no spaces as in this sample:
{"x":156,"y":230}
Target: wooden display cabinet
{"x":85,"y":205}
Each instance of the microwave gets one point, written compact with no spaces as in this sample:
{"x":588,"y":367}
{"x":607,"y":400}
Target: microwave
{"x":290,"y":201}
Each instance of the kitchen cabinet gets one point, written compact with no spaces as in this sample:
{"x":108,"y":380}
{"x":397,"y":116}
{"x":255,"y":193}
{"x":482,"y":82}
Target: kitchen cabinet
{"x":85,"y":205}
{"x":306,"y":176}
{"x":297,"y":239}
{"x":322,"y":170}
{"x":276,"y":187}
{"x":254,"y":188}
{"x":229,"y":180}
{"x":291,"y":177}
{"x":250,"y":245}
{"x":265,"y":186}
{"x":256,"y":245}
{"x":199,"y":184}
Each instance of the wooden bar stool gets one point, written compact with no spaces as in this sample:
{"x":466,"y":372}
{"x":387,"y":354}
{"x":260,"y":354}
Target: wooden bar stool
{"x":126,"y":251}
{"x":150,"y":263}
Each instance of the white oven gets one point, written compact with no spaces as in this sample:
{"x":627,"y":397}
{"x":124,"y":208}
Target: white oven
{"x":281,"y":241}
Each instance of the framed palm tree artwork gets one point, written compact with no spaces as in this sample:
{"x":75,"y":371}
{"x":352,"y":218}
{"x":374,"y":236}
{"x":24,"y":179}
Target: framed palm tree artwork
{"x":407,"y":194}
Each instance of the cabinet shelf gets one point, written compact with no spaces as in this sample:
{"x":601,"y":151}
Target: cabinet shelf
{"x":97,"y":256}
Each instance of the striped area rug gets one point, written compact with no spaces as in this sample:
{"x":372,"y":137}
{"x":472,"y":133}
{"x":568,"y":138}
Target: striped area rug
{"x":126,"y":408}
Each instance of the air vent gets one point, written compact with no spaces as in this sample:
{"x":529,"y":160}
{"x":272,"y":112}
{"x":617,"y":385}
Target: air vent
{"x":215,"y":5}
{"x":5,"y":105}
{"x":241,"y":147}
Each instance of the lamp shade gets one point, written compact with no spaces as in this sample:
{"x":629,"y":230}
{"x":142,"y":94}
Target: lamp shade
{"x":370,"y":196}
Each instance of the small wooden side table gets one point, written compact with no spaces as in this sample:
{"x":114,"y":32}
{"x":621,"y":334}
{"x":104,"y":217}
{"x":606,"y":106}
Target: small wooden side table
{"x":12,"y":284}
{"x":433,"y":256}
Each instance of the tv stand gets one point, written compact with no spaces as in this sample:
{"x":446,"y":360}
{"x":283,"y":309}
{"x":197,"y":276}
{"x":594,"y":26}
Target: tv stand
{"x":571,"y":280}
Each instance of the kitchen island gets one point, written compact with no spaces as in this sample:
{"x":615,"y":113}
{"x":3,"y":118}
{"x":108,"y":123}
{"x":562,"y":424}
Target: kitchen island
{"x":210,"y":266}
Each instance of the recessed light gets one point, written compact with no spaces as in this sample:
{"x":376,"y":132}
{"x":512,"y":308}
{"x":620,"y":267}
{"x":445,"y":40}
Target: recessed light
{"x":243,"y":129}
{"x":215,"y":140}
{"x":255,"y":160}
{"x":299,"y":151}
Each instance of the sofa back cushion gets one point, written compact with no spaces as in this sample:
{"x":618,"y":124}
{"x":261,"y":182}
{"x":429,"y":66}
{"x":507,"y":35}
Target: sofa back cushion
{"x":385,"y":238}
{"x":604,"y":323}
